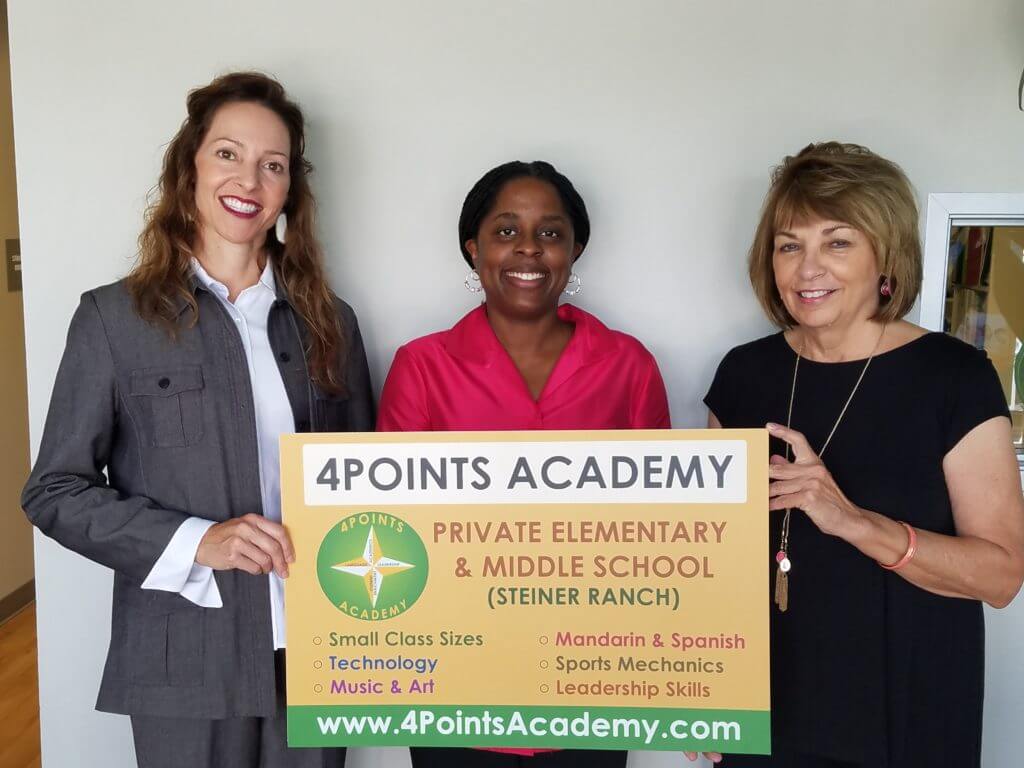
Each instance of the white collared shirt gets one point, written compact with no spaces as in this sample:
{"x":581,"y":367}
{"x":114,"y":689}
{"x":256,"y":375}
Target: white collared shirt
{"x":176,"y":569}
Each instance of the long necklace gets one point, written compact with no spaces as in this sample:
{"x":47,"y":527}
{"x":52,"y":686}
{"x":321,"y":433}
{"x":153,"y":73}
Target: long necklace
{"x":782,"y":561}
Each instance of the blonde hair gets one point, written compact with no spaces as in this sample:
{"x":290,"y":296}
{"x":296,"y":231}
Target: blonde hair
{"x":851,"y":184}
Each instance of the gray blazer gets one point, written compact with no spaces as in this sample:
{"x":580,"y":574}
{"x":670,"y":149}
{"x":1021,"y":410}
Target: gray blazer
{"x":171,"y":424}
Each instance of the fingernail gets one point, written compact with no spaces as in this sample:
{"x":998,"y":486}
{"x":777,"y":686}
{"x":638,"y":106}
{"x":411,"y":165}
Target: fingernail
{"x":291,"y":558}
{"x":771,"y":426}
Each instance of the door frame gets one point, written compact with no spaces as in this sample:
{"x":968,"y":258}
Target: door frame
{"x":944,"y":210}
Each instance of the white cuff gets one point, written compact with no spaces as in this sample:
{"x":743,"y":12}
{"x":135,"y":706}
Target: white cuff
{"x":176,"y":570}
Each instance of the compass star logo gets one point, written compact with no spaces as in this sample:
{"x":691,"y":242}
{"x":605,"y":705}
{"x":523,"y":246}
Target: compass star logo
{"x":372,"y":566}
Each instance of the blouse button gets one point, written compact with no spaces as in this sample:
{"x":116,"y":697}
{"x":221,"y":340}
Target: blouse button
{"x":164,"y":383}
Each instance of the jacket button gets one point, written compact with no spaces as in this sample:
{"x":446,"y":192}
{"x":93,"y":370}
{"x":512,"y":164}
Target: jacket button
{"x":164,"y":383}
{"x":285,"y":357}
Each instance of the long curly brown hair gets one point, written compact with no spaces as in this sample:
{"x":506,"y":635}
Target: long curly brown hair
{"x":160,"y":279}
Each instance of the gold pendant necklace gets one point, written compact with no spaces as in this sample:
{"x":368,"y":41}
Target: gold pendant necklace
{"x":783,"y":564}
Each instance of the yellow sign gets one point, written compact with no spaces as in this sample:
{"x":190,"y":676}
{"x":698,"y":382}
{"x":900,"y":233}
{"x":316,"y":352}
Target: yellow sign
{"x":599,"y":590}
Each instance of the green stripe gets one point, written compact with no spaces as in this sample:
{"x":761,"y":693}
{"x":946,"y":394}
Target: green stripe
{"x":728,"y":730}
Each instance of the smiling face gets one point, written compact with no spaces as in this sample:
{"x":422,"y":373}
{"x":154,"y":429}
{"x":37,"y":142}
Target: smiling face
{"x":524,"y":249}
{"x":826,"y":273}
{"x":242,"y":174}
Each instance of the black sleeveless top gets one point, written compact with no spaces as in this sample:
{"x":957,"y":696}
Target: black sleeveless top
{"x":866,"y":667}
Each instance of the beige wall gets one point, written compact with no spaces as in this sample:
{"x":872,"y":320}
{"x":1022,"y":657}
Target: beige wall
{"x":15,"y":532}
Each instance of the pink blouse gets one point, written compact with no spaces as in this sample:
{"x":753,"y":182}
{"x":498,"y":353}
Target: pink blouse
{"x":463,"y":379}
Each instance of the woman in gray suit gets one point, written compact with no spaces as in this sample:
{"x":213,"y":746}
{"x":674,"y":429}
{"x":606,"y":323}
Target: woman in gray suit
{"x":159,"y":458}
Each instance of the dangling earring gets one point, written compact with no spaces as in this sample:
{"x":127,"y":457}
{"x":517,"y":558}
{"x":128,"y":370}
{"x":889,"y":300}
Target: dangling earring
{"x":886,"y":289}
{"x":472,"y":282}
{"x":281,"y":227}
{"x":574,"y":286}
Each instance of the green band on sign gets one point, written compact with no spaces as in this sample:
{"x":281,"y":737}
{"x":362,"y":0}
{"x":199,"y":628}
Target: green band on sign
{"x":718,"y":730}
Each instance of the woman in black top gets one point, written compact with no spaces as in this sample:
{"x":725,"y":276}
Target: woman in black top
{"x":899,"y":469}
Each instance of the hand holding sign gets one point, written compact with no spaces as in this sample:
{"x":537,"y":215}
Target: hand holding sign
{"x":251,"y":543}
{"x":806,"y":484}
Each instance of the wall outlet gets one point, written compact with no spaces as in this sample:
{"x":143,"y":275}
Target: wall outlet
{"x":13,"y":259}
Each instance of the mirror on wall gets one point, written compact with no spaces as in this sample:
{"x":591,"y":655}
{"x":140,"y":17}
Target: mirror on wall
{"x":984,"y":303}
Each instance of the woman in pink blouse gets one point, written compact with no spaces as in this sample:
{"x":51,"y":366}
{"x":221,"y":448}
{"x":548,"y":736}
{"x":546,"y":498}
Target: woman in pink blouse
{"x":520,"y":361}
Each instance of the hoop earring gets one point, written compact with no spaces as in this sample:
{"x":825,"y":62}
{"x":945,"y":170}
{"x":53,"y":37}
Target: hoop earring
{"x":472,"y":282}
{"x":886,"y":289}
{"x":281,"y":227}
{"x":574,"y":286}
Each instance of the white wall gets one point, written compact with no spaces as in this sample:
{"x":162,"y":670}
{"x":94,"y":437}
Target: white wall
{"x":667,"y":114}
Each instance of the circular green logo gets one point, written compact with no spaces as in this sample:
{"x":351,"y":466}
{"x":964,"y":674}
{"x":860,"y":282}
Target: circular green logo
{"x":372,"y":566}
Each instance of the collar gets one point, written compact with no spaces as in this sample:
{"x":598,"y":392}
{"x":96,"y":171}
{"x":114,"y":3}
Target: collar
{"x":472,"y":338}
{"x":200,"y":279}
{"x":267,"y":279}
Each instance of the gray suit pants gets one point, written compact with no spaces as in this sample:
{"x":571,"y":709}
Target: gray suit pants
{"x":234,"y":742}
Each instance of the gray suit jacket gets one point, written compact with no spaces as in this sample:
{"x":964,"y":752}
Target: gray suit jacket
{"x":171,"y":424}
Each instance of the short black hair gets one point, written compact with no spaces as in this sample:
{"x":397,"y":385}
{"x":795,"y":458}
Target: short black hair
{"x":481,"y":197}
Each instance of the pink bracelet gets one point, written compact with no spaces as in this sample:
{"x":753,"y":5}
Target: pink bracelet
{"x":911,"y":549}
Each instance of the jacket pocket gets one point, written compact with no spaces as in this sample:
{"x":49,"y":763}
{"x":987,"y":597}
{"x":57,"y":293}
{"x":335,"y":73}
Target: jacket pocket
{"x":331,"y":412}
{"x":166,"y":649}
{"x":170,"y":401}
